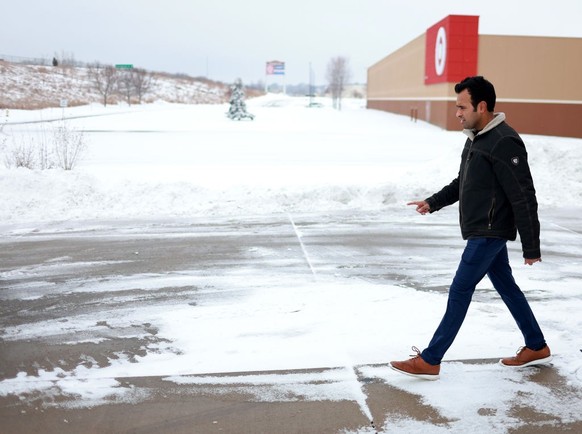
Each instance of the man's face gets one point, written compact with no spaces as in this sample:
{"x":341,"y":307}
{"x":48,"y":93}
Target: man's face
{"x":469,"y":117}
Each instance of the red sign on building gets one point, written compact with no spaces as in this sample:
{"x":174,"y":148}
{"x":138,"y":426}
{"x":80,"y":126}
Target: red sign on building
{"x":451,"y":49}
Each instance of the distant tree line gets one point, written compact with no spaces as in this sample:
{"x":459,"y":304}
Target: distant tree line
{"x":133,"y":84}
{"x":108,"y":80}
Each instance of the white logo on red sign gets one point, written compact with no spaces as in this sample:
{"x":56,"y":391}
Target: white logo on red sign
{"x":440,"y":51}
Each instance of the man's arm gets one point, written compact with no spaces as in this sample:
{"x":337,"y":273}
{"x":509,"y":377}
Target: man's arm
{"x":448,"y":195}
{"x":513,"y":173}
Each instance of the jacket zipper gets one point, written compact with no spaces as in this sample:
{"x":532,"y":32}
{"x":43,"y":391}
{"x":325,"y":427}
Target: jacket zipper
{"x":462,"y":183}
{"x":469,"y":156}
{"x":491,"y":213}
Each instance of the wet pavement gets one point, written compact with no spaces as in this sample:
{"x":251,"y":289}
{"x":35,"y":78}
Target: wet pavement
{"x":52,"y":272}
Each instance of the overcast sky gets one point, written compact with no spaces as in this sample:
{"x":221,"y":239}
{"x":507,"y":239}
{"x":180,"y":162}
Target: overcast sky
{"x":227,"y":39}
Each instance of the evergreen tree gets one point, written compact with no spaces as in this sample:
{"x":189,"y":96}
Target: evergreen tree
{"x":238,"y":107}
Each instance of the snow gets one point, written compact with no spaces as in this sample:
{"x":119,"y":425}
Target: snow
{"x":173,"y":160}
{"x":192,"y":160}
{"x":168,"y":161}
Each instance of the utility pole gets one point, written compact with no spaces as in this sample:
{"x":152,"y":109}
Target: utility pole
{"x":310,"y":85}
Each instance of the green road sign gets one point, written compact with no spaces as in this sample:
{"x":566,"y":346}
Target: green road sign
{"x":124,"y":66}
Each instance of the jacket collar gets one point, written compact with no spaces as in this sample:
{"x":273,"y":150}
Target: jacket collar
{"x":498,"y":118}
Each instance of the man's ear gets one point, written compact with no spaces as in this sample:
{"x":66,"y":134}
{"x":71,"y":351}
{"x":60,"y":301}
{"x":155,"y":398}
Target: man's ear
{"x":482,"y":107}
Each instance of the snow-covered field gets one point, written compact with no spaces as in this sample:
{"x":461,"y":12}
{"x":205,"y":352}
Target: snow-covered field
{"x":177,"y":160}
{"x":165,"y":161}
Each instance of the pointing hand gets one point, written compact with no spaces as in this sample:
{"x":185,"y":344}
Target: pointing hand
{"x":422,"y":206}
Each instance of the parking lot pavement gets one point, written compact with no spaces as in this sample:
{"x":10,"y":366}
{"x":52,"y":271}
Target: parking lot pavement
{"x":231,"y":407}
{"x":40,"y":264}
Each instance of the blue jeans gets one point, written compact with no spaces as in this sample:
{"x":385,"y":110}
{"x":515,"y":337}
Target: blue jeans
{"x":482,"y":256}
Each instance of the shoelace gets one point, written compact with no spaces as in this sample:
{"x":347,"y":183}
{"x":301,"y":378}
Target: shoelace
{"x":417,"y":351}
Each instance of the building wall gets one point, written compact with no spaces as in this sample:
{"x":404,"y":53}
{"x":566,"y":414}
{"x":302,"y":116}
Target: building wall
{"x":528,"y":67}
{"x":536,"y":80}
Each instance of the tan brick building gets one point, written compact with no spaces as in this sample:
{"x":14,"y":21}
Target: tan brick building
{"x":538,"y":80}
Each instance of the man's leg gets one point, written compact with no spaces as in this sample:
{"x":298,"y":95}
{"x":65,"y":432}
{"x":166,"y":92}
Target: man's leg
{"x":503,"y":281}
{"x":477,"y":257}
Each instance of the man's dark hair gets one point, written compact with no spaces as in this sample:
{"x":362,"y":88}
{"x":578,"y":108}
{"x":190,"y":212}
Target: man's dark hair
{"x":480,"y":90}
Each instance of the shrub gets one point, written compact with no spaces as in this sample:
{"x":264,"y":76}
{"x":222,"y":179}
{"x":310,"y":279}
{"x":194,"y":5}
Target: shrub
{"x":69,"y":146}
{"x":63,"y":147}
{"x":20,"y":155}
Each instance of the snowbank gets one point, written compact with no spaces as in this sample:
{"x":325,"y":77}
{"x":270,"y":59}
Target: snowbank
{"x":168,"y":160}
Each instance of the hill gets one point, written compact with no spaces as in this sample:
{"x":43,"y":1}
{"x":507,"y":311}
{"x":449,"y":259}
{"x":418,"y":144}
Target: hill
{"x":39,"y":86}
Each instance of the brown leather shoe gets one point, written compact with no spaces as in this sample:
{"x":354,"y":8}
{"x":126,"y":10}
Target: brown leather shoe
{"x":526,"y":357}
{"x":417,"y":367}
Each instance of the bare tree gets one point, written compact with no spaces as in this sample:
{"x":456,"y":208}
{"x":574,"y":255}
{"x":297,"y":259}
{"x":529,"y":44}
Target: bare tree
{"x":338,"y":74}
{"x":66,"y":58}
{"x":142,"y":82}
{"x":103,"y":79}
{"x":125,"y":85}
{"x":134,"y":82}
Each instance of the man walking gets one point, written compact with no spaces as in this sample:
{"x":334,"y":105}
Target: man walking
{"x":497,"y":198}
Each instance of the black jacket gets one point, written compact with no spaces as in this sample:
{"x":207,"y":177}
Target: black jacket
{"x":494,"y":188}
